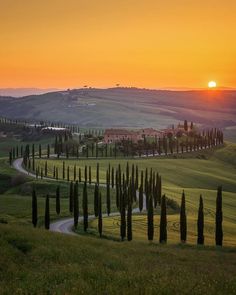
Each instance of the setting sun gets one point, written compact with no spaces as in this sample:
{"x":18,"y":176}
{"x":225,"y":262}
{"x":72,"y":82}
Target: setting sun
{"x":212,"y":84}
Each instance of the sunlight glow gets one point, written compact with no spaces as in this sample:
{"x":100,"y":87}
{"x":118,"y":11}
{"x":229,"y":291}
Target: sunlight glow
{"x":212,"y":84}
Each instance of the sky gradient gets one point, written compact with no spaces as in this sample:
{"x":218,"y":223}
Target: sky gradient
{"x":153,"y":44}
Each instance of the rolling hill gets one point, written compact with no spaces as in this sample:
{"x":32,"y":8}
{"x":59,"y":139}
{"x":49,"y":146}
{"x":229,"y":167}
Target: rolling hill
{"x":125,"y":107}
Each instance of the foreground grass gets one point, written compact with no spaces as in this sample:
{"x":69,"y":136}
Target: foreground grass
{"x":40,"y":262}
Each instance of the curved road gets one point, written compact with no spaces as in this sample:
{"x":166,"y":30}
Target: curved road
{"x":65,"y":225}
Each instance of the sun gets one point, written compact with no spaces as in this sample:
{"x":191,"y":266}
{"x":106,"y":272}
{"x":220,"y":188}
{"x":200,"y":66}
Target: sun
{"x":212,"y":84}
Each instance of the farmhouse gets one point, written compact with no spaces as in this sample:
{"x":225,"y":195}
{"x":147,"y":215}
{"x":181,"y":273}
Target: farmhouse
{"x":116,"y":135}
{"x":150,"y":132}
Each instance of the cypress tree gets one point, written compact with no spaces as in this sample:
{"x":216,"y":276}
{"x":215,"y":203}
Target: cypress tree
{"x":117,"y":190}
{"x":129,"y":217}
{"x":85,"y":206}
{"x":112,"y":177}
{"x":90,"y":175}
{"x":71,"y":194}
{"x":159,"y":190}
{"x":150,"y":218}
{"x":46,"y":169}
{"x":200,"y":223}
{"x":163,"y":221}
{"x":98,"y":173}
{"x":122,"y":215}
{"x":58,"y":205}
{"x":96,"y":199}
{"x":48,"y":151}
{"x":80,"y":178}
{"x":136,"y":178}
{"x":185,"y":125}
{"x":85,"y":174}
{"x":140,"y":198}
{"x":47,"y":214}
{"x":76,"y":205}
{"x":183,"y":220}
{"x":100,"y":214}
{"x":63,"y":170}
{"x":127,"y":171}
{"x":108,"y":195}
{"x":68,"y":173}
{"x":74,"y":172}
{"x":219,"y":218}
{"x":34,"y":208}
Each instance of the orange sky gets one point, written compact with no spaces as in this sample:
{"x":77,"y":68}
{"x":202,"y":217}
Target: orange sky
{"x":151,"y":43}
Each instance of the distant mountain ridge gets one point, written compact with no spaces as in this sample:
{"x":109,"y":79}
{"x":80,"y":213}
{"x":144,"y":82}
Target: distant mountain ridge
{"x":20,"y":92}
{"x":125,"y":107}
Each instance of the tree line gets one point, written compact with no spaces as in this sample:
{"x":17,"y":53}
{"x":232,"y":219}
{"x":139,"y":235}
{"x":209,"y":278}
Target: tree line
{"x":145,"y":193}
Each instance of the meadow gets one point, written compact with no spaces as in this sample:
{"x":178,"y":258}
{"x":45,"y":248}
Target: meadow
{"x":35,"y":261}
{"x":197,"y":173}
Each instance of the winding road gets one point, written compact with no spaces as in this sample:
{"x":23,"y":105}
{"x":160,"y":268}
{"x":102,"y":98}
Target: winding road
{"x":65,"y":225}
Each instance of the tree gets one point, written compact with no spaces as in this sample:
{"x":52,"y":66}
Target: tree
{"x":63,"y":170}
{"x":76,"y":205}
{"x":96,"y":199}
{"x":140,"y":198}
{"x":85,"y":206}
{"x":129,"y":217}
{"x":98,"y":173}
{"x":71,"y":194}
{"x":90,"y":175}
{"x":183,"y":220}
{"x":58,"y":205}
{"x":108,"y":195}
{"x":122,"y":215}
{"x":46,"y":169}
{"x":74,"y":172}
{"x":34,"y":208}
{"x":150,"y":218}
{"x":200,"y":223}
{"x":112,"y":177}
{"x":48,"y":151}
{"x":100,"y":214}
{"x":185,"y":125}
{"x":68,"y":173}
{"x":163,"y":221}
{"x":47,"y":214}
{"x":85,"y":174}
{"x":219,"y":218}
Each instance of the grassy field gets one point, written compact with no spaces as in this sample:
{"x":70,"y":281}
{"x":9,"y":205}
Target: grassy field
{"x":200,"y":174}
{"x":34,"y":261}
{"x":40,"y":262}
{"x":15,"y":198}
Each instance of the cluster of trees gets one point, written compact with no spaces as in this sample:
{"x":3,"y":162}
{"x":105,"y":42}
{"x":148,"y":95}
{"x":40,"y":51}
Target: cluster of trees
{"x":147,"y":191}
{"x":125,"y":207}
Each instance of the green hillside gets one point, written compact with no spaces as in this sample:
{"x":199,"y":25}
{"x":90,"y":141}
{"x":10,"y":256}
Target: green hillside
{"x":34,"y":261}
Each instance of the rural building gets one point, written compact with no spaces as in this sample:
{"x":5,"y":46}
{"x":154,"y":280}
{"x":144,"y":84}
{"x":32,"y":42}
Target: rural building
{"x":150,"y":132}
{"x":116,"y":135}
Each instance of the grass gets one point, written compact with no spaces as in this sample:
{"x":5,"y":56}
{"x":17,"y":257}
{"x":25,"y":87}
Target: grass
{"x":40,"y":262}
{"x":34,"y":261}
{"x":200,"y":174}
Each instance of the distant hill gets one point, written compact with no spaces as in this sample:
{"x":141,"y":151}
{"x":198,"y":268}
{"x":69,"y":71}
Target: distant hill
{"x":125,"y":107}
{"x":19,"y":92}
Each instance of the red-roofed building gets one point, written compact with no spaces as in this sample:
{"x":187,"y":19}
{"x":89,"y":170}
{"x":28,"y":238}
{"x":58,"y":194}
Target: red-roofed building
{"x":116,"y":135}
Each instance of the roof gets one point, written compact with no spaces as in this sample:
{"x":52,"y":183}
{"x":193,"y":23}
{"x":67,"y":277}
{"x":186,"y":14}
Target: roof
{"x":119,"y":132}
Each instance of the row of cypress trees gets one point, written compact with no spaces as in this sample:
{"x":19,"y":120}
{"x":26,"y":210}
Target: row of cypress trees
{"x":125,"y":206}
{"x":167,"y":144}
